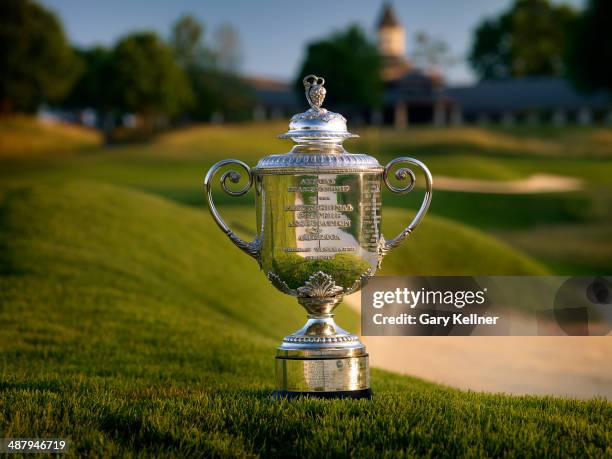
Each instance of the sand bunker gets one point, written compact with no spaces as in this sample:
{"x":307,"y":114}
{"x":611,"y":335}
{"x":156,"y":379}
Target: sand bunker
{"x":539,"y":183}
{"x":543,"y":365}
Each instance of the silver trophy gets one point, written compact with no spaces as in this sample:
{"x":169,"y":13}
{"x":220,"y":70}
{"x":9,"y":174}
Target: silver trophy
{"x":318,"y":239}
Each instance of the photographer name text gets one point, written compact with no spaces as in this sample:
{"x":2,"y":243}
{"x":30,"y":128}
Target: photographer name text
{"x":430,"y":299}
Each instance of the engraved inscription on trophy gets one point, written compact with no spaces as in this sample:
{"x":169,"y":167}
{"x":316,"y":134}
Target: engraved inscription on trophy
{"x":319,"y":217}
{"x":370,"y":209}
{"x":329,"y":375}
{"x":314,"y":375}
{"x":323,"y":215}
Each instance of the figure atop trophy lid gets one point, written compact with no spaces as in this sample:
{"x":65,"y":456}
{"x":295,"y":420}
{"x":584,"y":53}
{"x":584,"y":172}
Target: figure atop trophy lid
{"x":317,"y":123}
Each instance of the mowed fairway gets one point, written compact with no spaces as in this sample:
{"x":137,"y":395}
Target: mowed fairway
{"x":133,"y":327}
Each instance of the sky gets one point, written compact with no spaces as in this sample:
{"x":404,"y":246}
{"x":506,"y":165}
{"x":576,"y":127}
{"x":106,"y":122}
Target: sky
{"x":274,"y":33}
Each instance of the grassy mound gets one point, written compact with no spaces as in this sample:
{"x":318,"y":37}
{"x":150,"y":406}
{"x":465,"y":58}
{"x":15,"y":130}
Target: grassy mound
{"x":543,"y":141}
{"x":131,"y":326}
{"x":23,"y":137}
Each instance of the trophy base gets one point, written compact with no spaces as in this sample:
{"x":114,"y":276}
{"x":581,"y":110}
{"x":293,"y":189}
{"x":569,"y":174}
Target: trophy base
{"x":352,"y":394}
{"x":322,"y":360}
{"x":300,"y":374}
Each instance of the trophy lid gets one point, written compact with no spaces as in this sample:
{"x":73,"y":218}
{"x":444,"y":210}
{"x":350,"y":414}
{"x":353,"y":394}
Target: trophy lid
{"x":319,"y":134}
{"x":317,"y":124}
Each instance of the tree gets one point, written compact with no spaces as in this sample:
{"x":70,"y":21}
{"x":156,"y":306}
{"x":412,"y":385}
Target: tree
{"x":186,"y":40}
{"x":227,"y":49}
{"x":146,"y":78}
{"x":431,"y":53}
{"x":92,"y":87}
{"x":36,"y":62}
{"x":530,"y":38}
{"x":215,"y":87}
{"x":589,"y":59}
{"x":350,"y":64}
{"x":221,"y":93}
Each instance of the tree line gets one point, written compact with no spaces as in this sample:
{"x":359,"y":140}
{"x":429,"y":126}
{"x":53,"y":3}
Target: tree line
{"x":183,"y":78}
{"x":158,"y":80}
{"x":537,"y":37}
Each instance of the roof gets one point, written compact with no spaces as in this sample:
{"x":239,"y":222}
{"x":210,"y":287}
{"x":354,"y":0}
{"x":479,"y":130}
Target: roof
{"x":274,"y":93}
{"x":388,"y":17}
{"x":285,"y":99}
{"x":516,"y":94}
{"x":262,"y":83}
{"x":416,"y":86}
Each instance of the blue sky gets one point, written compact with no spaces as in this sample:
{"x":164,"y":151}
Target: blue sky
{"x":274,"y":32}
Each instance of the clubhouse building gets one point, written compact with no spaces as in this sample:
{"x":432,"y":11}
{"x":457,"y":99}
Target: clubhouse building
{"x":416,"y":96}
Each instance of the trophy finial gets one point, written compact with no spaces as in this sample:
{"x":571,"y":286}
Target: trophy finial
{"x":315,"y":92}
{"x":317,"y":124}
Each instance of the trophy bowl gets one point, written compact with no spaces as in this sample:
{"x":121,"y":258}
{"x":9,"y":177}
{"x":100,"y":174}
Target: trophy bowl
{"x":318,"y":211}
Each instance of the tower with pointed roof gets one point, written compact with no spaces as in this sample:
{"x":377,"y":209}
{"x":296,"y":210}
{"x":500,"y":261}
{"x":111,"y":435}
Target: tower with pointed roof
{"x":392,"y":44}
{"x":391,"y":34}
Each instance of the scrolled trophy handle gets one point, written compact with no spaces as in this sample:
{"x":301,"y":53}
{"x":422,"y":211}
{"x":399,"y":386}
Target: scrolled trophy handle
{"x":402,"y":174}
{"x":250,"y":248}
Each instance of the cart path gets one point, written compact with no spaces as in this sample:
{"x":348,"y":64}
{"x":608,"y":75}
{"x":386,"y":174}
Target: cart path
{"x":579,"y":367}
{"x":538,"y":183}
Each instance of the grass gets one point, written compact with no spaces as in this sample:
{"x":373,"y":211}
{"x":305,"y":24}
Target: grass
{"x":25,"y":137}
{"x":174,"y":158}
{"x":540,"y":141}
{"x":586,"y":247}
{"x":124,"y":328}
